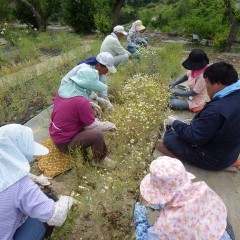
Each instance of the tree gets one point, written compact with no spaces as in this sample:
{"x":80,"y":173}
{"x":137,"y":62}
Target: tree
{"x":87,"y":15}
{"x":79,"y":14}
{"x":116,"y":12}
{"x":233,"y":12}
{"x":35,"y":8}
{"x":107,"y":14}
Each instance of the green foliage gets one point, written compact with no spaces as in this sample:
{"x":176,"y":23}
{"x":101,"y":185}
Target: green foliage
{"x":200,"y":17}
{"x":51,"y":10}
{"x":27,"y":49}
{"x":127,"y":15}
{"x":28,"y":46}
{"x":101,"y":18}
{"x":219,"y":39}
{"x":79,"y":14}
{"x":6,"y":11}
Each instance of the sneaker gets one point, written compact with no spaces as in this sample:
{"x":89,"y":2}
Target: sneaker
{"x":105,"y":163}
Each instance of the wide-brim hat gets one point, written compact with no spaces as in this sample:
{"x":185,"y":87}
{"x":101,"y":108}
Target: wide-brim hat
{"x":106,"y":59}
{"x":88,"y":78}
{"x":139,"y":25}
{"x":167,"y":176}
{"x":196,"y":60}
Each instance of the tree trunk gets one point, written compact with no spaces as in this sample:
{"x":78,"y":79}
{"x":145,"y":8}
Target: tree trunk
{"x":234,"y":27}
{"x":37,"y":12}
{"x":232,"y":35}
{"x":116,"y":11}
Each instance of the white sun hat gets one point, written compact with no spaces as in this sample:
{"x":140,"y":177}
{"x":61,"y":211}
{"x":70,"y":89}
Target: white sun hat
{"x":106,"y":59}
{"x":119,"y":29}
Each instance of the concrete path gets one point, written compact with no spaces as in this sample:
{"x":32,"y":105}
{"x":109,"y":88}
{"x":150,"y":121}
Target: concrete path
{"x":225,"y":184}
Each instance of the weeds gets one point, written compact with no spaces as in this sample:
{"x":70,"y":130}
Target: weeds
{"x":107,"y":197}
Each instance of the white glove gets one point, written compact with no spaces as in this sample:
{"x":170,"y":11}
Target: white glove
{"x":171,"y":119}
{"x":105,"y":102}
{"x":93,"y":96}
{"x":43,"y":180}
{"x":62,"y":206}
{"x":109,"y":106}
{"x":102,"y":100}
{"x":108,"y":126}
{"x":68,"y":200}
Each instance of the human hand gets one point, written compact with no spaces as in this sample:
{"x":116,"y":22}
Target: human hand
{"x":67,"y":200}
{"x":42,"y":180}
{"x":171,"y":84}
{"x":93,"y":96}
{"x":171,"y":119}
{"x":109,"y":106}
{"x":109,"y":126}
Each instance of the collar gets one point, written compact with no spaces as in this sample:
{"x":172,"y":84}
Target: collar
{"x":227,"y":90}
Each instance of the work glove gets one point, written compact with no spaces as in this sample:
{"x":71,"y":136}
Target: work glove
{"x":105,"y":102}
{"x":108,"y":126}
{"x":42,"y":180}
{"x":170,"y":120}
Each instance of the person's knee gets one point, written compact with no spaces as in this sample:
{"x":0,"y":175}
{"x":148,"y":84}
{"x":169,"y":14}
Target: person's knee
{"x":99,"y":136}
{"x":169,"y":138}
{"x":125,"y":57}
{"x":178,"y":104}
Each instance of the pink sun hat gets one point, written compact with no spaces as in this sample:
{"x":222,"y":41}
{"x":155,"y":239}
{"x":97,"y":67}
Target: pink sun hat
{"x":167,"y":176}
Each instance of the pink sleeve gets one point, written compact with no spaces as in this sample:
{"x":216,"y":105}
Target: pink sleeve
{"x":200,"y":84}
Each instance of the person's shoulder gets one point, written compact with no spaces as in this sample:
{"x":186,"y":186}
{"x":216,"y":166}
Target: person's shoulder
{"x":109,"y":37}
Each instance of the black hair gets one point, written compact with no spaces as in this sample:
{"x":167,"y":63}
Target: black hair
{"x":102,"y":65}
{"x":221,"y":72}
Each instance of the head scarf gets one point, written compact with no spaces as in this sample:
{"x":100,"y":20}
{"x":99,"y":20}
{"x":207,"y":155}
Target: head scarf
{"x":17,"y":150}
{"x":133,"y":28}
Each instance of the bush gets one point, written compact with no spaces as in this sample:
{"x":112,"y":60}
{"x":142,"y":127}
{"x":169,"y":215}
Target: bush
{"x":79,"y":15}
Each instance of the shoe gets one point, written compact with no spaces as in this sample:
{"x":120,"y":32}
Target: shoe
{"x":105,"y":163}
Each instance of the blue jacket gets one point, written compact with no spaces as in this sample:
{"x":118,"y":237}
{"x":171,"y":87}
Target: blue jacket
{"x":215,"y":130}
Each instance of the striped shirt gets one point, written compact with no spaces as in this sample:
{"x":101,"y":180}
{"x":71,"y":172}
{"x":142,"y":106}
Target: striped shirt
{"x":22,"y":198}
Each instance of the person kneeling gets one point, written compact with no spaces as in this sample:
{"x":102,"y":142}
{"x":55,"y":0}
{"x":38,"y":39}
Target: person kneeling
{"x":73,"y":124}
{"x":26,"y":213}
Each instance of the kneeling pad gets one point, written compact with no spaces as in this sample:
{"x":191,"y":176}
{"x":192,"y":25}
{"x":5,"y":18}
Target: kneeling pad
{"x":55,"y":162}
